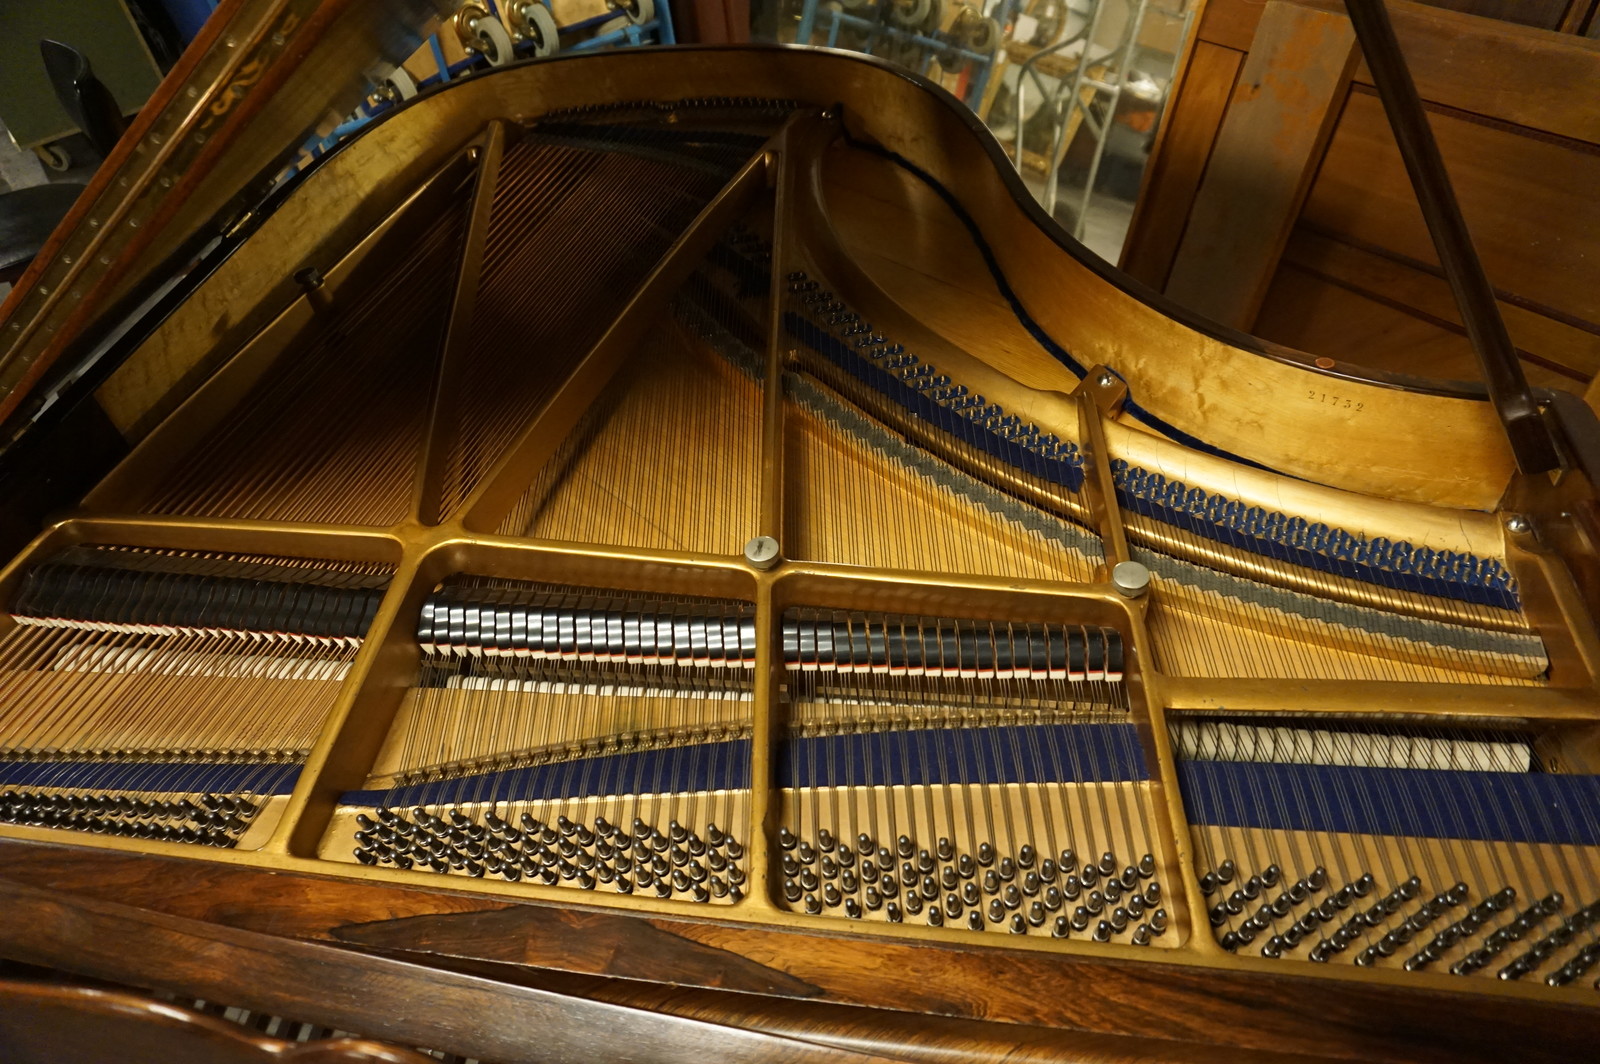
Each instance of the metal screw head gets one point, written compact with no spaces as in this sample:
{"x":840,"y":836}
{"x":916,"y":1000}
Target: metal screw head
{"x":762,"y":552}
{"x":1106,"y":380}
{"x":1517,"y":524}
{"x":1130,"y":578}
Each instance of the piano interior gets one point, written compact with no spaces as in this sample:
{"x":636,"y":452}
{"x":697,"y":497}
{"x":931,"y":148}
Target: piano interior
{"x":687,"y":503}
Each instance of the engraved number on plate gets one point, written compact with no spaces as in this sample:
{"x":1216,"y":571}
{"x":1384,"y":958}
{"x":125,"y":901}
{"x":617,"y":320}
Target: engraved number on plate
{"x":1335,"y":400}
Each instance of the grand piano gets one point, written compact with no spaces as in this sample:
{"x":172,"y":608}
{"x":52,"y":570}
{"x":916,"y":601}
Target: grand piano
{"x":671,"y":553}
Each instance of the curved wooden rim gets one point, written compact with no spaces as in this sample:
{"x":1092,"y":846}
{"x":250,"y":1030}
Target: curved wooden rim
{"x":1022,"y":198}
{"x":1463,"y":462}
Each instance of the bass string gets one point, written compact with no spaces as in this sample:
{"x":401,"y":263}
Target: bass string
{"x":545,"y":280}
{"x":352,"y":460}
{"x":92,"y":697}
{"x":581,"y":711}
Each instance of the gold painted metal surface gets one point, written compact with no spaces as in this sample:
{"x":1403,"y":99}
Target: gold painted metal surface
{"x":368,"y":192}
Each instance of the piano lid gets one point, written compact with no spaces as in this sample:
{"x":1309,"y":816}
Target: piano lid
{"x":258,"y":80}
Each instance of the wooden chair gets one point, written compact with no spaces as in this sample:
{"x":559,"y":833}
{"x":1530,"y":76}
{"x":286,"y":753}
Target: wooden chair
{"x":83,"y":96}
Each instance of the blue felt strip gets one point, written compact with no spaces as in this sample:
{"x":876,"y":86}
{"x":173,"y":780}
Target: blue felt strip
{"x":701,"y":767}
{"x":1014,"y":754}
{"x":1425,"y":803}
{"x":1410,"y":569}
{"x":1066,"y":472}
{"x":186,"y":777}
{"x":1048,"y":753}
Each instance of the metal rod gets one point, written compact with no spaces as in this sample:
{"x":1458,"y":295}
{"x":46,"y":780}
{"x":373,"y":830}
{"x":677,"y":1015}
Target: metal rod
{"x":444,"y":409}
{"x":486,"y":506}
{"x":1531,"y":444}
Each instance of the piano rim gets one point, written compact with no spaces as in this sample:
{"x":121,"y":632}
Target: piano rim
{"x":809,"y":68}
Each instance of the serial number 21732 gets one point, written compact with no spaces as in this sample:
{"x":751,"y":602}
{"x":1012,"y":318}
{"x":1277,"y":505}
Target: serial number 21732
{"x":1334,"y":400}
